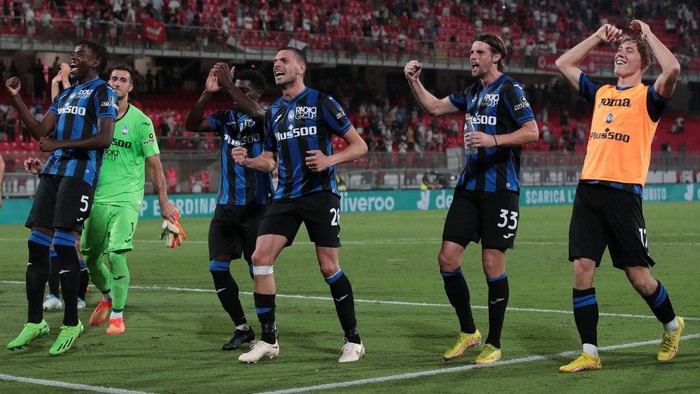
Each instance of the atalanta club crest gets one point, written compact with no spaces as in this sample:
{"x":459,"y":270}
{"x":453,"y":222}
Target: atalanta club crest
{"x":609,"y":118}
{"x":125,"y":130}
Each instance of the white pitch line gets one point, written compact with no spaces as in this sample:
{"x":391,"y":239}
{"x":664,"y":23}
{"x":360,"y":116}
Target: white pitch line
{"x":422,"y":241}
{"x":380,"y":302}
{"x":433,"y":372}
{"x":71,"y":386}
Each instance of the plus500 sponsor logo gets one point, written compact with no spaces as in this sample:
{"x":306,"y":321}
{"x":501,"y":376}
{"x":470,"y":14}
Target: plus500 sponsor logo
{"x":72,"y":109}
{"x":298,"y":132}
{"x":483,"y":119}
{"x":248,"y":139}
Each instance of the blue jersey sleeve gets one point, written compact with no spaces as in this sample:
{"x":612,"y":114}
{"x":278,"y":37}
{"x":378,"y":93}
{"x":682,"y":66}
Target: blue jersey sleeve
{"x":656,"y":104}
{"x":270,"y":142}
{"x":54,"y":106}
{"x":517,"y":103}
{"x":587,"y":87}
{"x":217,"y":120}
{"x":106,"y":102}
{"x":459,"y":100}
{"x":334,"y":116}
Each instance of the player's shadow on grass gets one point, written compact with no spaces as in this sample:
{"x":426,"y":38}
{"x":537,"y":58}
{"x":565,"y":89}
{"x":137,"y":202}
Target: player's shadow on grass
{"x":645,"y":357}
{"x":544,"y":337}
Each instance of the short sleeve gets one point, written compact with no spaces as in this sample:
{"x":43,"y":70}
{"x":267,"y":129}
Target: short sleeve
{"x":334,"y":116}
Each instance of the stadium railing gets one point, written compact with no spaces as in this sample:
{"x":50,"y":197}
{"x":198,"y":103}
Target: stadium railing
{"x":389,"y":171}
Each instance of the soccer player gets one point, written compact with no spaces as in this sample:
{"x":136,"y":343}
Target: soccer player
{"x":300,"y":127}
{"x":53,"y":299}
{"x":607,"y":209}
{"x":110,"y":229}
{"x":485,"y":207}
{"x":243,"y":193}
{"x":53,"y":302}
{"x":77,"y":128}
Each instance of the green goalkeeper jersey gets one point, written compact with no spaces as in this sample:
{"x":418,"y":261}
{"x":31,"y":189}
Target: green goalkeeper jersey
{"x":123,"y":172}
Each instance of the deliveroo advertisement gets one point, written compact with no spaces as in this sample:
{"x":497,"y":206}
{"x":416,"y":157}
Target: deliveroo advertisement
{"x":15,"y":211}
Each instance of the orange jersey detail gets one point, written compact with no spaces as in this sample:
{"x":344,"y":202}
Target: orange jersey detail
{"x":619,"y":143}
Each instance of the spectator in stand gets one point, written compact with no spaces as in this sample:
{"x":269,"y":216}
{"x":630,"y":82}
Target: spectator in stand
{"x":29,"y":20}
{"x":171,"y":179}
{"x":678,"y":126}
{"x":547,"y":136}
{"x":39,"y":81}
{"x":195,"y":183}
{"x":47,"y":27}
{"x":427,"y":183}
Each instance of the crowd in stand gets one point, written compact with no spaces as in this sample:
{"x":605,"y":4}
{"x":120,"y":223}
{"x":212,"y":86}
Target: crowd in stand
{"x":398,"y":27}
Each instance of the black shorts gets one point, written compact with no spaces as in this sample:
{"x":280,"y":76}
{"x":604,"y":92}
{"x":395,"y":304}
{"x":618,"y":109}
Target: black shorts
{"x":604,"y":216}
{"x":320,"y":213}
{"x":61,"y":202}
{"x":487,"y":217}
{"x":234,"y":229}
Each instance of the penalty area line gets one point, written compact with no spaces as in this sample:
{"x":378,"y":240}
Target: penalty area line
{"x":66,"y":385}
{"x":441,"y":371}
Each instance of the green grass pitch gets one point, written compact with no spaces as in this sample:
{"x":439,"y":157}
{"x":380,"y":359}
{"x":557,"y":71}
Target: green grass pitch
{"x":176,"y":326}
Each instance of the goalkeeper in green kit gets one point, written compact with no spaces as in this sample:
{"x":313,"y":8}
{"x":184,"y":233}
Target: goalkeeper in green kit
{"x":110,"y":229}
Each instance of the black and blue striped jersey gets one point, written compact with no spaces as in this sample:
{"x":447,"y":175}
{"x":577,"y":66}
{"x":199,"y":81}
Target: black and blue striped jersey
{"x":498,"y":108}
{"x":306,"y":122}
{"x":240,"y":185}
{"x":79,"y":108}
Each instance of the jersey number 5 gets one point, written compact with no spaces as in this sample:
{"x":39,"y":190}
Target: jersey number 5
{"x":85,"y":200}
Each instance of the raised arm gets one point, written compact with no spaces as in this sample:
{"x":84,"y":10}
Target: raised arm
{"x":61,"y":77}
{"x":569,"y":61}
{"x":429,"y":103}
{"x":155,"y":172}
{"x":665,"y":83}
{"x":243,"y":103}
{"x":36,"y":129}
{"x":196,"y":121}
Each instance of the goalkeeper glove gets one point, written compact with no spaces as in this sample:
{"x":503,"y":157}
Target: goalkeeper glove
{"x":173,"y":233}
